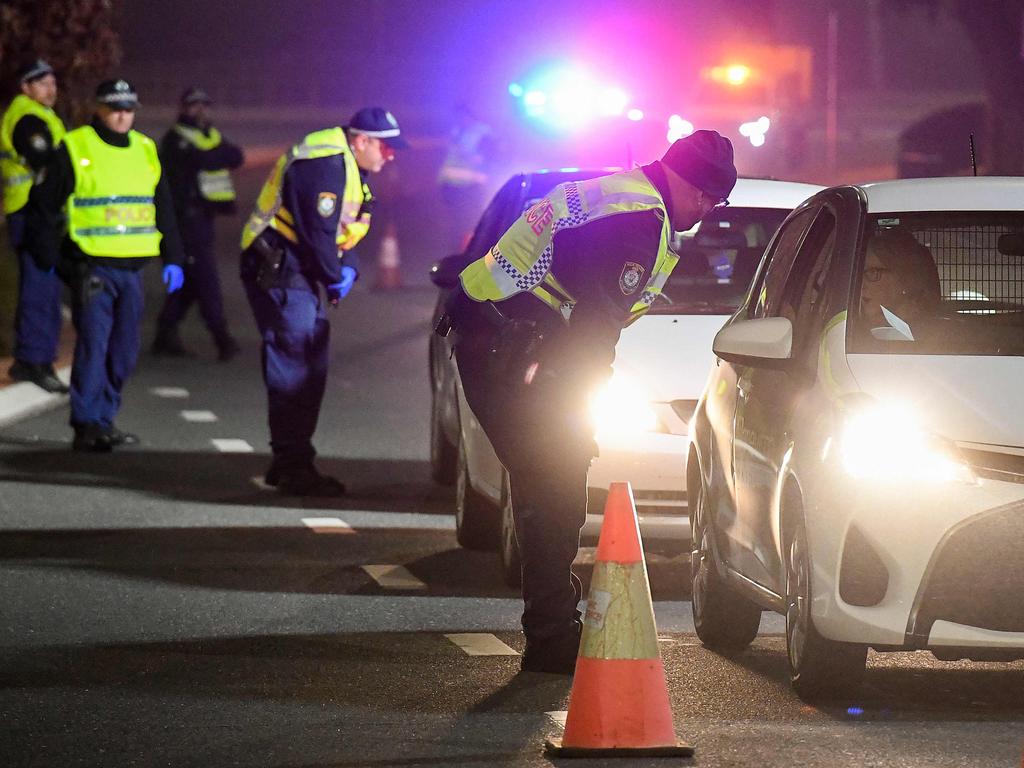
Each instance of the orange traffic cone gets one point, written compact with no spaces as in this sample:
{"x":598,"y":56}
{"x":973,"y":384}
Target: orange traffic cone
{"x":619,"y":702}
{"x":389,"y":261}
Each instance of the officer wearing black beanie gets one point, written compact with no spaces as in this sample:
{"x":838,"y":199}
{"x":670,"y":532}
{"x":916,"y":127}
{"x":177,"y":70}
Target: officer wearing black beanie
{"x":536,"y":323}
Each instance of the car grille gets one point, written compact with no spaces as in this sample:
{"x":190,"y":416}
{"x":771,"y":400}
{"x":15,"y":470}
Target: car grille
{"x":977,"y":576}
{"x":1007,"y":467}
{"x":647,"y":502}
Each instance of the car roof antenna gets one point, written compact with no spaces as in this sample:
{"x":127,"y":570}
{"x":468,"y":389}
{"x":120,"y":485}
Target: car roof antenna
{"x":974,"y":159}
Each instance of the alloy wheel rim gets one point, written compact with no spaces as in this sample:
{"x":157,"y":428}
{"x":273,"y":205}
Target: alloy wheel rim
{"x":700,"y":574}
{"x":460,"y":490}
{"x":796,"y":602}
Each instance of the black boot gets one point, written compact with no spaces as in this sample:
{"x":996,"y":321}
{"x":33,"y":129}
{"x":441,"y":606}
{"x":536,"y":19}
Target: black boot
{"x":42,"y":376}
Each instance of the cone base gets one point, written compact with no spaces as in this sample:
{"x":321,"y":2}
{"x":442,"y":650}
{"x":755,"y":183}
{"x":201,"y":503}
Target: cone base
{"x":554,"y":748}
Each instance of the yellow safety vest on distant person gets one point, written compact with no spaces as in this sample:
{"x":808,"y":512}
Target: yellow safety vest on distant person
{"x":215,"y":186}
{"x":18,"y":177}
{"x":524,"y":258}
{"x":111,"y":212}
{"x":353,"y":224}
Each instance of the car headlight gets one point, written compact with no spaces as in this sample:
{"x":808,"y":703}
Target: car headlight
{"x":888,"y":443}
{"x":622,"y":407}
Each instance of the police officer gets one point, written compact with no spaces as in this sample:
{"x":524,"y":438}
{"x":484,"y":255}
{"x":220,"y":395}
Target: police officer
{"x":120,"y":215}
{"x":311,"y":212}
{"x":462,"y":178}
{"x":196,"y":160}
{"x":537,"y":320}
{"x":29,"y":134}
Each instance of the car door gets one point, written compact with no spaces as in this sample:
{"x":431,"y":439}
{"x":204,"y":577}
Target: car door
{"x":765,"y":395}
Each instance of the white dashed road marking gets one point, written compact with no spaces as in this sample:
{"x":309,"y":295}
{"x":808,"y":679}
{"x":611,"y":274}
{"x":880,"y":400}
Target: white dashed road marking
{"x":393,"y":577}
{"x":558,"y":717}
{"x":232,"y":445}
{"x":169,"y":392}
{"x":327,"y":525}
{"x":481,"y":644}
{"x":204,"y":417}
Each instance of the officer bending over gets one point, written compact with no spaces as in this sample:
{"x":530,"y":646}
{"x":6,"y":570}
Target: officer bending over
{"x":120,"y":216}
{"x":312,"y":210}
{"x":537,"y":320}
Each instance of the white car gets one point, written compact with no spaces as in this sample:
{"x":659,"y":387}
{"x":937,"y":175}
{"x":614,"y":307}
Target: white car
{"x":857,"y":456}
{"x":660,"y":367}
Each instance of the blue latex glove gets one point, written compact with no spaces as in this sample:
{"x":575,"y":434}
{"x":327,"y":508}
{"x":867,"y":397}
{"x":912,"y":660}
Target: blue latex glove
{"x":174,"y":278}
{"x":338,"y":291}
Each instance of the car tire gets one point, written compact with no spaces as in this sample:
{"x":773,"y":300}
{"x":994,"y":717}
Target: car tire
{"x":511,"y":565}
{"x":476,"y":519}
{"x":725,"y":621}
{"x":443,"y":453}
{"x":819,"y":668}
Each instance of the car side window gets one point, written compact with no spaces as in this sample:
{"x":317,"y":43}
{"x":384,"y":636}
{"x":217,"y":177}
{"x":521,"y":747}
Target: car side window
{"x":805,"y":292}
{"x":771,"y":281}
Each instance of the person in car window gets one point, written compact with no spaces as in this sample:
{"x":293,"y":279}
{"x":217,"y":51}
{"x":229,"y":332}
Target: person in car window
{"x":899,"y":275}
{"x":536,"y":322}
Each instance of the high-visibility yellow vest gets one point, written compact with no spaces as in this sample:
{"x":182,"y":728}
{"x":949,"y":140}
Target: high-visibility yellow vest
{"x":524,"y":258}
{"x":18,"y":177}
{"x":215,"y":186}
{"x":111,"y":212}
{"x":353,"y":223}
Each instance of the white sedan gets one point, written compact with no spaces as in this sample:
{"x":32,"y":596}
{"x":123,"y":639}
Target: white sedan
{"x":857,"y":456}
{"x":660,"y":367}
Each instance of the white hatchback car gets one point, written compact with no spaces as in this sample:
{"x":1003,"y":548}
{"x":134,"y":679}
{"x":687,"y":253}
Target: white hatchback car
{"x":857,"y":456}
{"x":660,"y":367}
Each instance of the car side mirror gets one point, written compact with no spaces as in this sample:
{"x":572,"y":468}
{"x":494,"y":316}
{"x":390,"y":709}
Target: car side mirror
{"x":766,"y":342}
{"x":445,"y":273}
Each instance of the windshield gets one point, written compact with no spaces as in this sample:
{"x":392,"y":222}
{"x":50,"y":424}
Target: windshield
{"x":940,"y":284}
{"x":717,"y":261}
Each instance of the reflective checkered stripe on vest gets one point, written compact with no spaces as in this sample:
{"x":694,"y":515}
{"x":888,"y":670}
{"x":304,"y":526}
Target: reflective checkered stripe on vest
{"x":523,"y":259}
{"x":17,"y":176}
{"x":214,"y":186}
{"x":111,"y":212}
{"x":270,"y":213}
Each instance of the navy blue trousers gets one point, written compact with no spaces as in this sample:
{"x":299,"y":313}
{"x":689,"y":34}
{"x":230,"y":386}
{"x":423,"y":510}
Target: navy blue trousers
{"x":202,"y":286}
{"x":107,"y":312}
{"x":37,"y":318}
{"x":295,"y":333}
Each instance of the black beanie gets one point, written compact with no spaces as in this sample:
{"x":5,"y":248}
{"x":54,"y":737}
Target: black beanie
{"x":704,"y":158}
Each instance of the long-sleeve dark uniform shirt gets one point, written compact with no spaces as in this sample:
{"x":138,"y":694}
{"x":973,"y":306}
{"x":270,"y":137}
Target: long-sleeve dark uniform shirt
{"x":33,"y":141}
{"x":182,"y":162}
{"x":307,"y":184}
{"x":46,"y":201}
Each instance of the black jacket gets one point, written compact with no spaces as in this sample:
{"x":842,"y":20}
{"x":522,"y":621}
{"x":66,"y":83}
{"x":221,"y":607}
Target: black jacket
{"x":182,"y":161}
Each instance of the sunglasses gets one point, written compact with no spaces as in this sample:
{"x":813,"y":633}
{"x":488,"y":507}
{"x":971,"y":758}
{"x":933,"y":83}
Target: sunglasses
{"x":721,"y":202}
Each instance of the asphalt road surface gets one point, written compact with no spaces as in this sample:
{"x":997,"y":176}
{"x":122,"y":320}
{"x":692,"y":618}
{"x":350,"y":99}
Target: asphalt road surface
{"x":160,"y":608}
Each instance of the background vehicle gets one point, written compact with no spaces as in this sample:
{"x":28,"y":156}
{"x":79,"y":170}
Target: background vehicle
{"x":642,"y":416}
{"x":863,"y":476}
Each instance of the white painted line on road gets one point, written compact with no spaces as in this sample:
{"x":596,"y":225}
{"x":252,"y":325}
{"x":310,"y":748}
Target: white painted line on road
{"x":481,"y":644}
{"x":558,"y":717}
{"x":169,"y":392}
{"x":199,"y":417}
{"x":232,"y":445}
{"x":393,"y":577}
{"x":327,"y":525}
{"x":23,"y":399}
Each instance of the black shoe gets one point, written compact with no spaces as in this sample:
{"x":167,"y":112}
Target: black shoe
{"x":170,"y":348}
{"x":117,"y":437}
{"x":554,"y":655}
{"x":92,"y":439}
{"x":309,"y":482}
{"x":227,"y":349}
{"x":41,"y":375}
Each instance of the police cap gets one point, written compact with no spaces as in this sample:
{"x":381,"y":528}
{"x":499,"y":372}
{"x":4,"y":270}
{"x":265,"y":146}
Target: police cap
{"x":33,"y":70}
{"x":117,"y":94}
{"x":195,"y":95}
{"x":378,"y":123}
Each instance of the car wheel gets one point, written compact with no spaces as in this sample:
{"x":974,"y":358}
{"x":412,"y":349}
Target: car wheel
{"x":476,"y":524}
{"x":818,"y":668}
{"x":443,"y":453}
{"x":511,"y":566}
{"x":724,"y":620}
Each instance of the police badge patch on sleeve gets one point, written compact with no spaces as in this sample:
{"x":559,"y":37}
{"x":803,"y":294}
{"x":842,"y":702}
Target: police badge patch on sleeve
{"x":630,"y":278}
{"x":326,"y":203}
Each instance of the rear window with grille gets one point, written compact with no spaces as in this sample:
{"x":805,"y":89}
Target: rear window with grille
{"x":940,"y":283}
